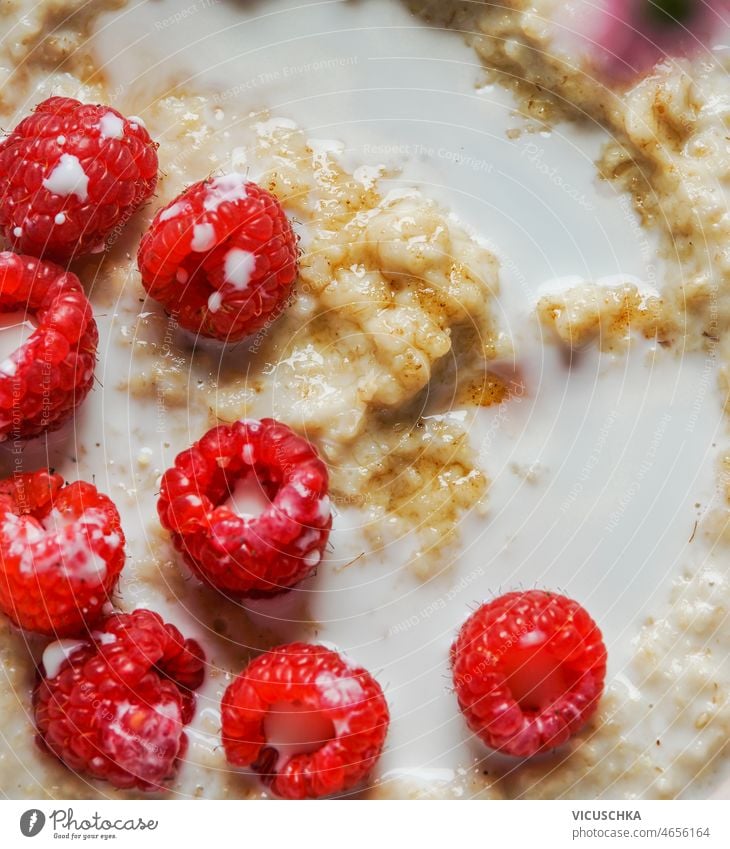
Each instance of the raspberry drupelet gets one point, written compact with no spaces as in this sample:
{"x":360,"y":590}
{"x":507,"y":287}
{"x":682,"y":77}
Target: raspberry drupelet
{"x":311,"y":723}
{"x":61,"y":552}
{"x":221,"y":258}
{"x":258,"y":548}
{"x":113,"y":706}
{"x":50,"y":374}
{"x":529,"y":670}
{"x":71,"y":174}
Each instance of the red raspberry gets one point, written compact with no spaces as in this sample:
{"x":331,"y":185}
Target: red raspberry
{"x":529,"y":669}
{"x":48,"y":376}
{"x":242,"y":550}
{"x":114,"y":706}
{"x":61,"y":552}
{"x":221,"y":258}
{"x":306,"y":719}
{"x":70,"y":174}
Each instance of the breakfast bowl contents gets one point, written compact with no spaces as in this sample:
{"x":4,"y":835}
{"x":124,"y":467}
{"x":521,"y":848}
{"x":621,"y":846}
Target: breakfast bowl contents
{"x":248,"y":507}
{"x":61,"y":552}
{"x":365,"y":369}
{"x":45,"y":378}
{"x":529,"y":670}
{"x":222,"y":257}
{"x":308,"y":720}
{"x":114,"y":706}
{"x":70,"y":174}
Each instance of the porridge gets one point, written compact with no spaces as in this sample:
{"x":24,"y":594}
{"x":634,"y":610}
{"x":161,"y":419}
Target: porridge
{"x":401,"y":357}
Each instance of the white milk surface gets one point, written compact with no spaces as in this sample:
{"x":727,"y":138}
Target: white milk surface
{"x":599,"y":470}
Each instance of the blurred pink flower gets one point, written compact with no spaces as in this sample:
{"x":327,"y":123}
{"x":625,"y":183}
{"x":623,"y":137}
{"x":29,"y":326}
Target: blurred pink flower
{"x":633,"y":35}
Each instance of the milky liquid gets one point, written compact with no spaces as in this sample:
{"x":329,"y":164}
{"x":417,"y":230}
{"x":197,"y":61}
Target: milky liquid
{"x":247,"y":498}
{"x":15,"y":330}
{"x":596,"y":470}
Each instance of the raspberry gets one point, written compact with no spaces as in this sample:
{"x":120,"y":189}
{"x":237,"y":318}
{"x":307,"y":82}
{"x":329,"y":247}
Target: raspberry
{"x":221,"y":258}
{"x":248,"y":550}
{"x":47,"y":377}
{"x":307,"y":720}
{"x":71,"y":173}
{"x":114,"y":706}
{"x":529,"y":669}
{"x":61,"y":552}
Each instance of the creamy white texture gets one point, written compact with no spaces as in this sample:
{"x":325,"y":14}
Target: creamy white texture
{"x":596,"y":469}
{"x":111,"y":126}
{"x":57,"y":653}
{"x":247,"y":499}
{"x":15,"y":329}
{"x":68,"y":178}
{"x":203,"y":238}
{"x":238,"y":266}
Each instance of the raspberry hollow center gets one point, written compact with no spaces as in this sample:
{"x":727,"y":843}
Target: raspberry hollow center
{"x":536,"y":677}
{"x":294,"y":729}
{"x":15,"y":330}
{"x":247,"y":498}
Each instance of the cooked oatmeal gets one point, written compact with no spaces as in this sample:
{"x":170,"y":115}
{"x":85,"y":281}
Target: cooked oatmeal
{"x":390,"y":341}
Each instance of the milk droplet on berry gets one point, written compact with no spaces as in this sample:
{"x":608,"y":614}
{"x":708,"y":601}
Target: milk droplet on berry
{"x":68,"y":178}
{"x":248,"y":500}
{"x":141,"y":752}
{"x":57,"y":653}
{"x":238,"y":266}
{"x":60,"y":218}
{"x":225,"y":189}
{"x":312,"y":559}
{"x":324,"y":510}
{"x":293,"y":729}
{"x":173,"y":211}
{"x":15,"y":329}
{"x":337,"y":690}
{"x":215,"y":301}
{"x":137,"y":120}
{"x":17,"y":232}
{"x":111,"y":126}
{"x":78,"y":558}
{"x":203,"y":238}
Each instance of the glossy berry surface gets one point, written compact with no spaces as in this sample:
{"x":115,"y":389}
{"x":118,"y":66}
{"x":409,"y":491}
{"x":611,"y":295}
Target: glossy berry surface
{"x":221,"y":258}
{"x":529,"y":670}
{"x":61,"y":552}
{"x":262,"y":552}
{"x":44,"y":380}
{"x":311,"y":723}
{"x":71,"y":176}
{"x":114,"y":706}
